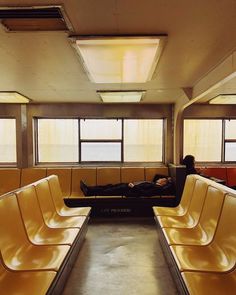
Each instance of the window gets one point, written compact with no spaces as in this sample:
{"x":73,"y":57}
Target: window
{"x":7,"y":140}
{"x":210,"y":140}
{"x":230,"y":140}
{"x":57,"y":140}
{"x":143,"y":140}
{"x":203,"y":139}
{"x":101,"y":140}
{"x":98,"y":140}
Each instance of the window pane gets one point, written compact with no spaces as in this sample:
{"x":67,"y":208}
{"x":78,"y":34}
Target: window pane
{"x":100,"y":151}
{"x":58,"y":140}
{"x":100,"y":129}
{"x":143,"y":140}
{"x":230,"y":151}
{"x":230,"y":129}
{"x":203,"y":138}
{"x":8,"y":140}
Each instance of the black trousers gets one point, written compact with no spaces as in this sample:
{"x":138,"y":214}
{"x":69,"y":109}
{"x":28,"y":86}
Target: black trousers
{"x":118,"y":189}
{"x":123,"y":189}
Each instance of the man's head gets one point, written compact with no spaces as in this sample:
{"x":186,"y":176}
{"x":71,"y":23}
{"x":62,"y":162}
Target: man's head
{"x":163,"y":181}
{"x":189,"y":161}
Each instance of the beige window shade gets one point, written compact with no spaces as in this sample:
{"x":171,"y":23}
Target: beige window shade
{"x":143,"y":140}
{"x":203,"y":139}
{"x":8,"y":140}
{"x":58,"y":140}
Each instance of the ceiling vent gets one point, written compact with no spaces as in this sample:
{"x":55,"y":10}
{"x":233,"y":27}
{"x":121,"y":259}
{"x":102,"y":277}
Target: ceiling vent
{"x":50,"y":18}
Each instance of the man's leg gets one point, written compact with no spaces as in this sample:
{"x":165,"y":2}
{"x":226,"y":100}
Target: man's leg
{"x":119,"y":189}
{"x":94,"y":190}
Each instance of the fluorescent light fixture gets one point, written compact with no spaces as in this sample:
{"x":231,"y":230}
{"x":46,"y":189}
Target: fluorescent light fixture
{"x":120,"y":59}
{"x":121,"y":96}
{"x":12,"y":97}
{"x":224,"y":99}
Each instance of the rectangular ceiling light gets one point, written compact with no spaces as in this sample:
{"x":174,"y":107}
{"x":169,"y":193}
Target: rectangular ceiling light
{"x":120,"y":59}
{"x":121,"y":96}
{"x":13,"y":97}
{"x":224,"y":99}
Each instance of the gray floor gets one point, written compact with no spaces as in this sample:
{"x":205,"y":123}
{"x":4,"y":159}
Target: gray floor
{"x":120,"y":257}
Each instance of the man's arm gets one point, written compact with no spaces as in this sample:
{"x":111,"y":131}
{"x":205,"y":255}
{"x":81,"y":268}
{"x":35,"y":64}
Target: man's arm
{"x":133,"y":184}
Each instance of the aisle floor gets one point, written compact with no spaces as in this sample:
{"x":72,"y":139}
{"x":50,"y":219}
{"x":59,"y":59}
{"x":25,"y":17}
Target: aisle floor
{"x":120,"y":257}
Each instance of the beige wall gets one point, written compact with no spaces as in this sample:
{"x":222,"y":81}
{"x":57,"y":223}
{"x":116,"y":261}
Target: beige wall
{"x":210,"y":111}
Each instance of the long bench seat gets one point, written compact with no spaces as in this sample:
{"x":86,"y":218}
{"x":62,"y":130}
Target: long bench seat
{"x":117,"y":205}
{"x":70,"y":193}
{"x":38,"y":232}
{"x":204,"y":249}
{"x":13,"y":178}
{"x":33,"y":246}
{"x":227,"y":174}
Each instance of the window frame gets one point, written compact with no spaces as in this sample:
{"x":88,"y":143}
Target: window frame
{"x":101,"y":141}
{"x":36,"y":146}
{"x":223,"y":140}
{"x":80,"y":141}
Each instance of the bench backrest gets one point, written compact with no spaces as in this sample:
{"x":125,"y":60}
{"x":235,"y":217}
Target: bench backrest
{"x":12,"y":231}
{"x":86,"y":174}
{"x":231,"y":176}
{"x":45,"y":199}
{"x":225,"y":233}
{"x":187,"y":192}
{"x":30,"y":210}
{"x":131,"y":174}
{"x":211,"y":210}
{"x":109,"y":175}
{"x":64,"y":176}
{"x":55,"y":190}
{"x":198,"y":199}
{"x":9,"y":180}
{"x":30,"y":175}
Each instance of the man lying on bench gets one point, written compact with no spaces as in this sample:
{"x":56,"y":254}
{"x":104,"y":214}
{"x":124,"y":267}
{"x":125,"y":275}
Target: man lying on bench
{"x":160,"y":185}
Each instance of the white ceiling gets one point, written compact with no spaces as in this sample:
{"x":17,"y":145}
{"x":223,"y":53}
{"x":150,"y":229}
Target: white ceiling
{"x":201,"y":35}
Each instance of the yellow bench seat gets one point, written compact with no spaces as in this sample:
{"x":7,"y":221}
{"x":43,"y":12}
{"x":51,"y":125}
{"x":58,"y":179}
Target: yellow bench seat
{"x":210,"y":283}
{"x":203,"y":232}
{"x":183,"y":206}
{"x":217,"y":256}
{"x":191,"y":217}
{"x":25,"y":282}
{"x":17,"y":252}
{"x":51,"y":217}
{"x":38,"y":232}
{"x":57,"y":197}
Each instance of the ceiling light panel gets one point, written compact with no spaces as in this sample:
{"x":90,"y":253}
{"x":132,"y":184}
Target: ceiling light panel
{"x":224,"y":99}
{"x":12,"y":97}
{"x":121,"y":96}
{"x":120,"y":60}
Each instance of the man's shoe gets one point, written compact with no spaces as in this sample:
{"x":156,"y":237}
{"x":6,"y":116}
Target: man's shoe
{"x":83,"y":187}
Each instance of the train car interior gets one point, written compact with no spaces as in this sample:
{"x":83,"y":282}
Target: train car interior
{"x":117,"y":147}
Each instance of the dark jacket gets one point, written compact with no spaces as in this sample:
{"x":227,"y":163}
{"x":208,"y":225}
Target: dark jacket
{"x":143,"y":188}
